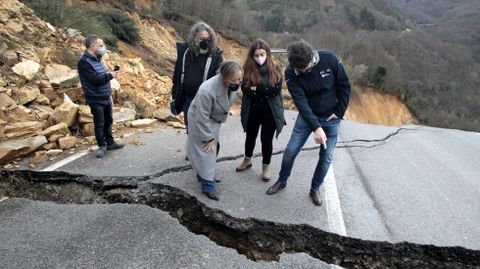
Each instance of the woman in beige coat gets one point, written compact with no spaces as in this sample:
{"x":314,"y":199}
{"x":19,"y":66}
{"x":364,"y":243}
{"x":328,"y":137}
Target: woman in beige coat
{"x":209,"y":109}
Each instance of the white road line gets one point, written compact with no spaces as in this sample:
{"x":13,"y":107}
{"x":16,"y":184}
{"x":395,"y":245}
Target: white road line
{"x":334,"y":210}
{"x":336,"y":223}
{"x":3,"y":199}
{"x":63,"y":162}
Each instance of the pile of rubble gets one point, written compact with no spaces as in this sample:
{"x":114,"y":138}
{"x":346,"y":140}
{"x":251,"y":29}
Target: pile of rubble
{"x":42,"y":107}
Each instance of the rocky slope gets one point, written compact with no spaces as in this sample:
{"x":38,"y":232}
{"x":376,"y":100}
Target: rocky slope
{"x":41,"y":101}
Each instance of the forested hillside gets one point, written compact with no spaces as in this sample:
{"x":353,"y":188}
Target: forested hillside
{"x":384,"y":44}
{"x":456,"y":22}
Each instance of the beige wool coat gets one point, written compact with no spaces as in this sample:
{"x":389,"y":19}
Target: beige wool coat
{"x":209,"y":109}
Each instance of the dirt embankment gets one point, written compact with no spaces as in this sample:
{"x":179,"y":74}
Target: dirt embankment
{"x":368,"y":105}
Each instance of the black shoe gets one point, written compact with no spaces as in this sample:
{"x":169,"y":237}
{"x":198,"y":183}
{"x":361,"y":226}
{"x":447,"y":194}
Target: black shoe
{"x":276,"y":187}
{"x":212,"y":195}
{"x":100,"y":152}
{"x":315,"y":196}
{"x":115,"y":146}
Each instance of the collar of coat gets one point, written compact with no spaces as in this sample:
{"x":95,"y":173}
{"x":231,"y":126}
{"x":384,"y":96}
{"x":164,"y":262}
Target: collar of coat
{"x":221,"y":93}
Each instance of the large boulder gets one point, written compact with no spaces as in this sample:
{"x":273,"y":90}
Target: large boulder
{"x":53,"y":152}
{"x":142,"y":123}
{"x":10,"y":150}
{"x":19,"y":114}
{"x":42,"y":100}
{"x":55,"y":137}
{"x":42,"y":112}
{"x":84,"y":114}
{"x":66,"y":112}
{"x":76,"y":94}
{"x":26,"y":94}
{"x":10,"y":58}
{"x":61,"y":76}
{"x":49,"y":92}
{"x":145,"y":106}
{"x":163,"y":114}
{"x":88,"y":129}
{"x":123,"y":114}
{"x":27,"y":69}
{"x":60,"y":128}
{"x":67,"y":142}
{"x":6,"y":102}
{"x":22,"y":129}
{"x":39,"y":157}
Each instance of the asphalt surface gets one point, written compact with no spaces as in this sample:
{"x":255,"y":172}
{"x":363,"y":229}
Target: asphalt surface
{"x":48,"y":235}
{"x":415,"y":184}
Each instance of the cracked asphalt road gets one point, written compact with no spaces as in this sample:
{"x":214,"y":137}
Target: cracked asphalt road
{"x":417,"y":184}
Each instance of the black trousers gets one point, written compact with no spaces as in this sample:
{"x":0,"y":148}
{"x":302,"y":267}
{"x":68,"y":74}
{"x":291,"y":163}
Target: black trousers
{"x":102,"y":120}
{"x":265,"y":119}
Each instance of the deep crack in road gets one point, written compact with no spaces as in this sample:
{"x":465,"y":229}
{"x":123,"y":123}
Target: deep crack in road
{"x":255,"y":238}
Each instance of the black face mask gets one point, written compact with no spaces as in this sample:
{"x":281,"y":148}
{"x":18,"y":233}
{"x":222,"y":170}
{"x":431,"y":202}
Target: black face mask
{"x":233,"y":87}
{"x":204,"y":44}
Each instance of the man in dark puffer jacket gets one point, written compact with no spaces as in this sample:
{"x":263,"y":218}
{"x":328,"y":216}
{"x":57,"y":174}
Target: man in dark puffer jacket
{"x":320,"y":90}
{"x":95,"y":81}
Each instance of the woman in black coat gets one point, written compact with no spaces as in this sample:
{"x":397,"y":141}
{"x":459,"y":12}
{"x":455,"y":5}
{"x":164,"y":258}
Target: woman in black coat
{"x":262,"y":104}
{"x":198,"y":59}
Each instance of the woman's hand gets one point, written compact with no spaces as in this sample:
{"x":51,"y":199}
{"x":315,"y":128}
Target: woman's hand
{"x":209,"y":146}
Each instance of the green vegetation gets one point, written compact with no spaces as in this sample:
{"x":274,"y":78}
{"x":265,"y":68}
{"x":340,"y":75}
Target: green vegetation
{"x":111,"y":25}
{"x":66,"y":57}
{"x":436,"y":79}
{"x":122,"y":26}
{"x":433,"y":69}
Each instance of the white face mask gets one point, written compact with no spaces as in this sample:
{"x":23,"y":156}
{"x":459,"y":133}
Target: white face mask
{"x":260,"y":60}
{"x":101,"y":51}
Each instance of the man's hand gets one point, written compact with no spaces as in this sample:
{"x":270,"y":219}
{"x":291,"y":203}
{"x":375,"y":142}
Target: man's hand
{"x":207,"y":147}
{"x":320,"y":137}
{"x":333,"y":116}
{"x":114,"y":74}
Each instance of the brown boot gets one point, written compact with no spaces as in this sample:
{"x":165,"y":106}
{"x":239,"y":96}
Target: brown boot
{"x":315,"y":196}
{"x":276,"y":187}
{"x":246,"y":163}
{"x":266,"y":172}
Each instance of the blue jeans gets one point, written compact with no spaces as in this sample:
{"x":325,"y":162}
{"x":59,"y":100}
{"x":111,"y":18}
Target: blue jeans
{"x":102,"y":121}
{"x":185,"y":106}
{"x":208,"y":186}
{"x":300,"y":134}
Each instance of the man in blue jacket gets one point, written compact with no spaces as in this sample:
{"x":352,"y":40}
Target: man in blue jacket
{"x":320,"y":89}
{"x":95,"y":81}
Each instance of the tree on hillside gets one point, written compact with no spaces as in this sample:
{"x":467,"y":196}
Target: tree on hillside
{"x":379,"y":77}
{"x":367,"y":20}
{"x":122,"y":26}
{"x":170,"y":9}
{"x":275,"y":21}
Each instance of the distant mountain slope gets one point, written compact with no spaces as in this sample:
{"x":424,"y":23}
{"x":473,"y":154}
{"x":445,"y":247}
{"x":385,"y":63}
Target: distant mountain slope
{"x":453,"y":21}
